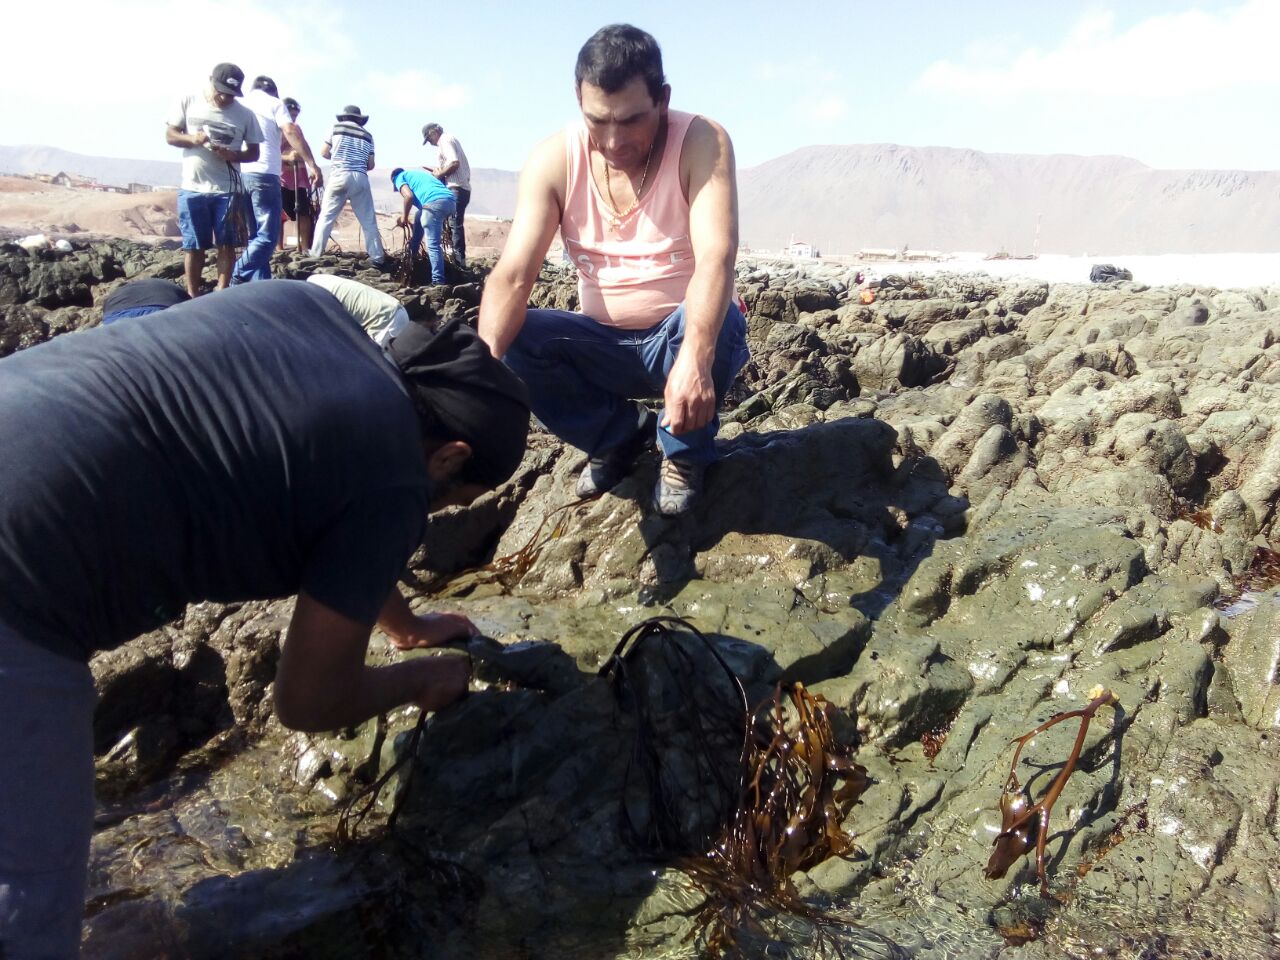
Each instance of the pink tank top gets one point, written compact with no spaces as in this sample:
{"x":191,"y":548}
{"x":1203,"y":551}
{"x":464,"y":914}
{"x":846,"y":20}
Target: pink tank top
{"x":633,"y":275}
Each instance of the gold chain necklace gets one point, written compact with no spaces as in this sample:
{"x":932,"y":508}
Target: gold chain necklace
{"x":616,"y":219}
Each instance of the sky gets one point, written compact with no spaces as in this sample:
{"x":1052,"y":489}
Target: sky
{"x":1172,"y":83}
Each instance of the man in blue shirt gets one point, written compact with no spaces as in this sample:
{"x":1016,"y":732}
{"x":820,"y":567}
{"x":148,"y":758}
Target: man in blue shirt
{"x":435,"y":204}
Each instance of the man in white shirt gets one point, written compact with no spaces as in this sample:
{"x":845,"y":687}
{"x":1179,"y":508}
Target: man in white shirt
{"x":452,"y":167}
{"x":262,"y":179}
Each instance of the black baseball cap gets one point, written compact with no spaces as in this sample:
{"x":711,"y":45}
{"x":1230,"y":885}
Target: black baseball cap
{"x":267,"y":84}
{"x":228,"y":78}
{"x":292,"y":104}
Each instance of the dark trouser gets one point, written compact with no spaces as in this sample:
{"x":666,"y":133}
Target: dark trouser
{"x":46,"y":799}
{"x":457,"y":230}
{"x":583,"y":377}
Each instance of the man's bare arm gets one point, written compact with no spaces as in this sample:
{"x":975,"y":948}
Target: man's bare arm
{"x":539,"y":205}
{"x":177,"y":137}
{"x":409,"y":198}
{"x":407,"y":630}
{"x":326,"y":150}
{"x":246,"y":155}
{"x":323,"y":683}
{"x":707,"y":157}
{"x":293,"y":133}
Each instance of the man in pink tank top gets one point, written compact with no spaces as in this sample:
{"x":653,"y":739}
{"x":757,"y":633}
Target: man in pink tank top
{"x":646,"y":203}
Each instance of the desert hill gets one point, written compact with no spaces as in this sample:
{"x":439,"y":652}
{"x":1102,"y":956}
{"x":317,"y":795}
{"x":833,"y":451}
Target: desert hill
{"x":493,"y":191}
{"x":845,"y":198}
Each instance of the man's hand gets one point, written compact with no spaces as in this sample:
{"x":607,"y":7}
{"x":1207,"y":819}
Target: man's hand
{"x":443,"y":680}
{"x":402,"y":221}
{"x":432,"y":630}
{"x":317,"y":178}
{"x":690,"y":395}
{"x":200,"y":137}
{"x":223,"y":153}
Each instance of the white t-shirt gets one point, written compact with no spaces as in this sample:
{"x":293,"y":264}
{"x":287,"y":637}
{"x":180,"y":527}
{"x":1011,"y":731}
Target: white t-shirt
{"x":272,"y":116}
{"x":381,"y":314}
{"x":450,"y":150}
{"x":233,"y":127}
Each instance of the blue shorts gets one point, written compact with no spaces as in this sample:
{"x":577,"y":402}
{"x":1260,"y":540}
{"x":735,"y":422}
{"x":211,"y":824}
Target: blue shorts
{"x":202,"y":217}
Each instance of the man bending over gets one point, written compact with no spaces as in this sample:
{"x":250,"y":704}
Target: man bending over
{"x":248,"y":445}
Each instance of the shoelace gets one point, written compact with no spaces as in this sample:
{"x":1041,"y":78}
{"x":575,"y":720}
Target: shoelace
{"x":676,"y":474}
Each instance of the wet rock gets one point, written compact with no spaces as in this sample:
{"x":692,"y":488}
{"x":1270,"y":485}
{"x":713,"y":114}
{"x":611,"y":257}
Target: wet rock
{"x":953,"y":512}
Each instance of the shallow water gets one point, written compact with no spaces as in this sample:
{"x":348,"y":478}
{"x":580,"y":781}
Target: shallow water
{"x":238,"y":865}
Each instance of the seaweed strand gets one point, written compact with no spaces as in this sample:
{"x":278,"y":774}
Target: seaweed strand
{"x":1014,"y":838}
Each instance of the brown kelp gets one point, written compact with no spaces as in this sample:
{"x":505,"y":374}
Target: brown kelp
{"x":801,"y":785}
{"x":361,"y":803}
{"x":1019,"y":817}
{"x":406,"y":258}
{"x":795,"y":784}
{"x":507,"y":570}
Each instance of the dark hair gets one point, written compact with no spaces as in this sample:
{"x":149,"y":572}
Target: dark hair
{"x":435,"y":433}
{"x":395,"y":173}
{"x":267,"y":84}
{"x":617,"y":54}
{"x":292,"y":104}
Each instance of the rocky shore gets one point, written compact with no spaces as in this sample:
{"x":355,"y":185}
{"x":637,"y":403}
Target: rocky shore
{"x":952,"y":512}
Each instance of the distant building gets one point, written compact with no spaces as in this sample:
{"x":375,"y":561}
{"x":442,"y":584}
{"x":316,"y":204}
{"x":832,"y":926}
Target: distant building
{"x":75,"y":181}
{"x":140,"y":188}
{"x":798,"y":248}
{"x":922,"y":255}
{"x":877,"y":253}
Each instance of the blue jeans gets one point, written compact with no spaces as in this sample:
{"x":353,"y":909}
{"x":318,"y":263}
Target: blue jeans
{"x":582,"y":377}
{"x":430,"y":220}
{"x":203,"y":220}
{"x":263,"y":214}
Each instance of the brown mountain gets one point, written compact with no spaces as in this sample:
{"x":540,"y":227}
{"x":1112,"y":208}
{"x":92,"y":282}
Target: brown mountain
{"x":846,"y":198}
{"x":843,"y":198}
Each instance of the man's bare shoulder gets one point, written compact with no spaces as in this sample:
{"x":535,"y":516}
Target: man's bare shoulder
{"x":706,"y":147}
{"x":545,"y":168}
{"x":707,"y":132}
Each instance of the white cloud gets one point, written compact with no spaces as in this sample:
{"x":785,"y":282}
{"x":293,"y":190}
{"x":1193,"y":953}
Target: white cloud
{"x":824,"y":109}
{"x":416,"y":90}
{"x":1161,"y":58}
{"x":139,"y":47}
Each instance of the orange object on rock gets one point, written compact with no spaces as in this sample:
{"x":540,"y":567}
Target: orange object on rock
{"x":867,"y":296}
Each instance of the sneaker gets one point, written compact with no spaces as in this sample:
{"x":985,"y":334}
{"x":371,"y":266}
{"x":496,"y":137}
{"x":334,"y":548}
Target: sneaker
{"x":679,"y":487}
{"x":609,"y":469}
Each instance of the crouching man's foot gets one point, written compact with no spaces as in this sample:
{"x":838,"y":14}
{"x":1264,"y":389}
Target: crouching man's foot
{"x":608,"y":470}
{"x":679,"y":487}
